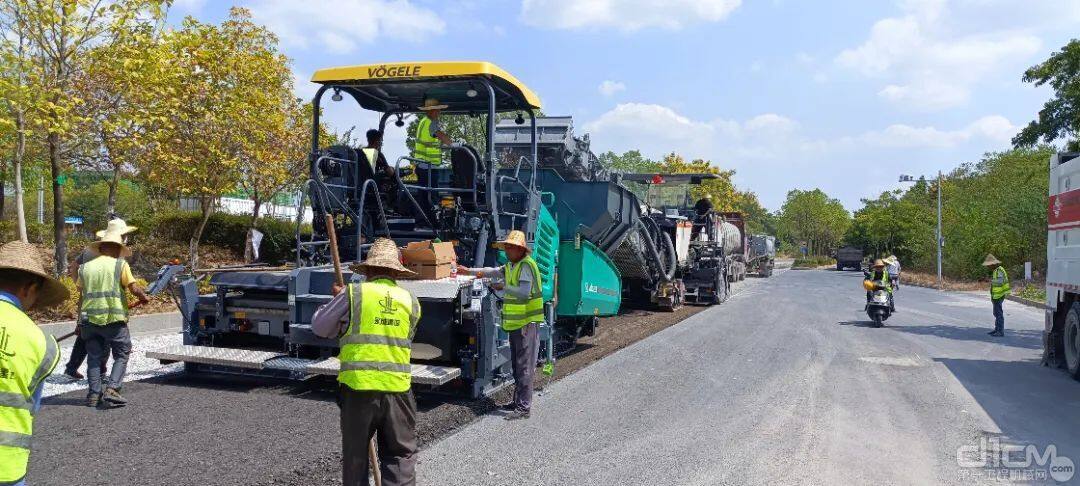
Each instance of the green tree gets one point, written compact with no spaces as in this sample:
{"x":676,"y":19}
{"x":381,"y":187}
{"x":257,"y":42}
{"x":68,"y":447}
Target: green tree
{"x":217,"y":84}
{"x":59,"y":34}
{"x":1060,"y":117}
{"x":629,"y":162}
{"x":814,"y":219}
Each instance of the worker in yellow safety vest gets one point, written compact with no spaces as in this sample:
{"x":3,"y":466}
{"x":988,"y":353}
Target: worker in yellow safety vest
{"x":999,"y":288}
{"x":430,"y":138}
{"x":103,"y":311}
{"x":27,"y":355}
{"x":375,"y":378}
{"x":523,"y":312}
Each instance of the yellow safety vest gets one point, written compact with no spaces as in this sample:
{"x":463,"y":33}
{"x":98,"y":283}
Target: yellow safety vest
{"x":103,"y":298}
{"x":27,"y":356}
{"x":427,"y":147}
{"x":372,"y":157}
{"x":999,"y":284}
{"x":518,"y":312}
{"x":377,"y":347}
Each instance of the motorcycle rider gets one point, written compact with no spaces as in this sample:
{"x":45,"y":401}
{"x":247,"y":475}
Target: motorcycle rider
{"x":880,"y":277}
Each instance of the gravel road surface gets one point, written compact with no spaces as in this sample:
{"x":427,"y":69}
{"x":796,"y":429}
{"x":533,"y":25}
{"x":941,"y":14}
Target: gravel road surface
{"x":787,"y":384}
{"x":183,"y":430}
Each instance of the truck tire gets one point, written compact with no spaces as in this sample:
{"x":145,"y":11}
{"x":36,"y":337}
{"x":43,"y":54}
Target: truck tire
{"x":839,"y":267}
{"x":1070,"y":337}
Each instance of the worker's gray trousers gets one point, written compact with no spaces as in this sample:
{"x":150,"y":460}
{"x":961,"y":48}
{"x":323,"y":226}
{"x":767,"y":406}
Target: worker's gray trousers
{"x":116,"y":338}
{"x":524,"y":348}
{"x":393,"y":417}
{"x":999,"y":315}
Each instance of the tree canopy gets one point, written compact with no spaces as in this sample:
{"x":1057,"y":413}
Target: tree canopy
{"x":1059,"y":119}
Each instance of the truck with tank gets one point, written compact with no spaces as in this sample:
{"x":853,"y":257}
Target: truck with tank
{"x":762,"y":255}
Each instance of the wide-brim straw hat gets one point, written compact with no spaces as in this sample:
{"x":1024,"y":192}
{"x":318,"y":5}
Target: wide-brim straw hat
{"x":515,"y":238}
{"x":991,"y":260}
{"x":115,"y":238}
{"x":879,"y":263}
{"x":432,"y":104}
{"x":891,"y":260}
{"x":17,"y":255}
{"x":116,"y":226}
{"x":384,"y":255}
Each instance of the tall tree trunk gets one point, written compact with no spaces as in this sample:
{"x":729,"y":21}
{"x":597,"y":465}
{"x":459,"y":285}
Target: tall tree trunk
{"x":206,"y":204}
{"x":59,"y":237}
{"x":249,"y":243}
{"x":20,"y":149}
{"x":110,"y":208}
{"x":3,"y":192}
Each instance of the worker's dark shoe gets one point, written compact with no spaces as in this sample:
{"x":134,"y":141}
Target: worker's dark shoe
{"x":114,"y":397}
{"x":74,"y":375}
{"x":93,"y":400}
{"x":517,"y":414}
{"x":509,"y":407}
{"x":996,"y":333}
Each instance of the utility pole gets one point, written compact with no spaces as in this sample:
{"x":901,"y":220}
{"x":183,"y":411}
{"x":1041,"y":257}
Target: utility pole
{"x":940,"y":238}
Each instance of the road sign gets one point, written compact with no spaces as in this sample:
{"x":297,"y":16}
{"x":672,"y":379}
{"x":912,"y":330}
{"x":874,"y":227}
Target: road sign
{"x":73,"y":220}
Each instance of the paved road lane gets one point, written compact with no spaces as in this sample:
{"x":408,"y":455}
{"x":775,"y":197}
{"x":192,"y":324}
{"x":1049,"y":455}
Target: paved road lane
{"x":786,"y":383}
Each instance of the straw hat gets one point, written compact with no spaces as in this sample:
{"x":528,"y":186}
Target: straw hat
{"x":879,"y":263}
{"x":384,"y":254}
{"x":114,"y":233}
{"x":891,"y":260}
{"x":991,"y":260}
{"x":515,"y":238}
{"x":116,"y":225}
{"x":17,"y":255}
{"x":432,"y":104}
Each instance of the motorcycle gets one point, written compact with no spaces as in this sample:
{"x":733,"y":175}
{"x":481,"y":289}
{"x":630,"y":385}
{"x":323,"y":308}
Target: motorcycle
{"x":878,"y":308}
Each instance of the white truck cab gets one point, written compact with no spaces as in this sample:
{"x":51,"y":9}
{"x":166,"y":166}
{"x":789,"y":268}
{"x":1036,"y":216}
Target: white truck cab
{"x":1061,"y":337}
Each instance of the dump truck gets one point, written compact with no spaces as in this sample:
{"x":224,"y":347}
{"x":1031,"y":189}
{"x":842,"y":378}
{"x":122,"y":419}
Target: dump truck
{"x":1061,"y":334}
{"x":595,"y":210}
{"x":258,"y":321}
{"x":849,"y":257}
{"x":762,"y":255}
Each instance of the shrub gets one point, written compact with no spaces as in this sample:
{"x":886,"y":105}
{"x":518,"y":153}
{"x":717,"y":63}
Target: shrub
{"x":228,"y":231}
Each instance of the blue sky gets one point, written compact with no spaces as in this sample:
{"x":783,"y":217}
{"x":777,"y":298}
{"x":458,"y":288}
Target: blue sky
{"x":843,"y":95}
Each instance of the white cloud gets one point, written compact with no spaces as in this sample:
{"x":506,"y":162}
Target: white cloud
{"x":340,"y":26}
{"x":626,"y":15}
{"x":926,"y":65}
{"x":773,"y":153}
{"x":609,"y":88}
{"x":995,"y":129}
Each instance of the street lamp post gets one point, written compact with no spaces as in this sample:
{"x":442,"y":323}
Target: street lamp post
{"x":940,"y":238}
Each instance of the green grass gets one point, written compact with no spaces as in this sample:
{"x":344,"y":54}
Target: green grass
{"x":813,"y":262}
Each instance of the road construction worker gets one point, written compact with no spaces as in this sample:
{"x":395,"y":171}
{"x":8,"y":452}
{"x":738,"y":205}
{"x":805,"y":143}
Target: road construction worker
{"x":103,"y":311}
{"x":879,"y":275}
{"x":429,"y":140}
{"x":893,"y":266}
{"x":27,"y":355}
{"x":704,"y":205}
{"x":523,"y":312}
{"x":999,"y":288}
{"x":78,"y":350}
{"x":375,"y":378}
{"x":373,"y":152}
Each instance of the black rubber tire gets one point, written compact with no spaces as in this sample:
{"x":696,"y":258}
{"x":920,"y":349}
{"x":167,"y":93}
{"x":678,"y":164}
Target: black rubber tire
{"x":877,"y":321}
{"x":721,"y":290}
{"x":1070,"y":337}
{"x":839,"y":267}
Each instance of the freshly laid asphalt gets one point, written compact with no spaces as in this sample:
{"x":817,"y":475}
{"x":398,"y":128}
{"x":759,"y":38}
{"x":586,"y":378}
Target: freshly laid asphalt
{"x":784,"y":384}
{"x":788,"y":384}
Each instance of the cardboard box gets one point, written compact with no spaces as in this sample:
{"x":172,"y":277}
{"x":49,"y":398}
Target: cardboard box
{"x":429,"y":260}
